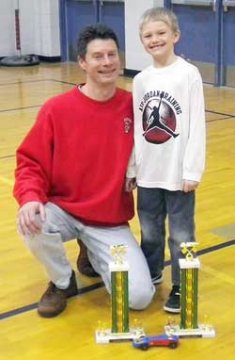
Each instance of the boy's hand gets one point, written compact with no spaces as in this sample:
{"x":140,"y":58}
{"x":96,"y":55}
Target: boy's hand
{"x":27,"y":222}
{"x":130,"y":184}
{"x":189,"y":185}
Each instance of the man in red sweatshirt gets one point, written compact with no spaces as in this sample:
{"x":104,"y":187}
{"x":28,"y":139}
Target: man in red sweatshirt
{"x":70,"y":177}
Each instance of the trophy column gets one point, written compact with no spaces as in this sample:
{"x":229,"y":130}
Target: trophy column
{"x":189,"y":293}
{"x":119,"y":298}
{"x":119,"y":301}
{"x":189,"y":269}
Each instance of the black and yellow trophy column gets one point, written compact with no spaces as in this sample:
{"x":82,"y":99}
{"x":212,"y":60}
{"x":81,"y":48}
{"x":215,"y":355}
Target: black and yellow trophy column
{"x":120,"y":309}
{"x":120,"y":329}
{"x":189,"y":270}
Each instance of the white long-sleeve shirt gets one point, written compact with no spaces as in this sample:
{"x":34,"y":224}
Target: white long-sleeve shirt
{"x":169,"y":116}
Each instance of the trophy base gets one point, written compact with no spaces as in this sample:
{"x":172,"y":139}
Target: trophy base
{"x":204,"y":331}
{"x":106,"y":336}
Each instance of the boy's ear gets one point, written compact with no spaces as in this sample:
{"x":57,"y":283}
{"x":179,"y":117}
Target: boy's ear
{"x":177,"y":36}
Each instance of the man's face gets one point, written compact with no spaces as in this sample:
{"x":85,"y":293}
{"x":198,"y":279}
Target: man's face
{"x":101,"y":62}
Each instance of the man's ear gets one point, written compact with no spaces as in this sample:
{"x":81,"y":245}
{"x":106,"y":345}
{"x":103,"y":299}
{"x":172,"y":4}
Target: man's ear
{"x":81,"y":63}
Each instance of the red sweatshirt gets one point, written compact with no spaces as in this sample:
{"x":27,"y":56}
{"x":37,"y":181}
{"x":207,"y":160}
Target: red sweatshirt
{"x":76,"y":157}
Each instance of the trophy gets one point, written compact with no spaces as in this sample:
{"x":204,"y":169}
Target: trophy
{"x":120,"y":329}
{"x":189,"y":268}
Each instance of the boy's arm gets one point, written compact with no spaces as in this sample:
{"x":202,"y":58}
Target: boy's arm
{"x":194,"y":160}
{"x":131,"y":173}
{"x":137,"y":94}
{"x":189,"y":185}
{"x":131,"y":168}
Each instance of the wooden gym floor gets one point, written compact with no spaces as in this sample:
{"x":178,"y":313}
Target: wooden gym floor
{"x":26,"y":336}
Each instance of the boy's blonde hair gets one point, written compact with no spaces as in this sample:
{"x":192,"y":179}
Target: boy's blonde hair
{"x":160,"y":14}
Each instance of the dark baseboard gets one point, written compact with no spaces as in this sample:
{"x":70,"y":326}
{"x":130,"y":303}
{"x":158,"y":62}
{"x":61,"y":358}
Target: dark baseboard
{"x":50,"y":59}
{"x":129,"y":72}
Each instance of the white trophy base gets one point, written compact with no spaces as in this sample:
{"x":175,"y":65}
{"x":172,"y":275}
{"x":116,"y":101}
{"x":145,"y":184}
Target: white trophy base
{"x":106,"y":336}
{"x":205,"y":331}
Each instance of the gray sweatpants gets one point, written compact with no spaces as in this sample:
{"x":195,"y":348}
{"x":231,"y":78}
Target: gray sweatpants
{"x":59,"y":226}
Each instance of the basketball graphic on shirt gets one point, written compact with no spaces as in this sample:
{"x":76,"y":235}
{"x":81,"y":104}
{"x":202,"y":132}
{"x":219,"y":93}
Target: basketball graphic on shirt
{"x":159,"y":121}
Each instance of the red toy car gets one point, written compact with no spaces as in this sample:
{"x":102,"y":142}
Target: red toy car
{"x":144,"y":342}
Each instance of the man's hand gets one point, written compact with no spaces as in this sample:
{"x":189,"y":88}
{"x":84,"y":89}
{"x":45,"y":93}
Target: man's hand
{"x":130,"y":184}
{"x":189,"y":185}
{"x":26,"y":218}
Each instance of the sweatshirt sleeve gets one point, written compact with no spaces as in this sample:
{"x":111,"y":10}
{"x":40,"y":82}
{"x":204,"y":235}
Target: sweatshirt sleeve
{"x":131,"y":168}
{"x":34,"y":162}
{"x":194,"y":160}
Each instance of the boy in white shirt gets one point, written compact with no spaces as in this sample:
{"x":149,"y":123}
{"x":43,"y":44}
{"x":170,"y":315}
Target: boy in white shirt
{"x":169,"y":146}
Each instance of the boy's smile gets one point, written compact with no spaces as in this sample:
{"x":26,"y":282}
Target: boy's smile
{"x":159,"y":40}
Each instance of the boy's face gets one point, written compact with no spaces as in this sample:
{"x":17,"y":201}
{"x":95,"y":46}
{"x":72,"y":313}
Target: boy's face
{"x":101,"y":62}
{"x":158,"y":39}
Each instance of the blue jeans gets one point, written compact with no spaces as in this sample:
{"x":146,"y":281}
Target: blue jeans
{"x":154,"y":205}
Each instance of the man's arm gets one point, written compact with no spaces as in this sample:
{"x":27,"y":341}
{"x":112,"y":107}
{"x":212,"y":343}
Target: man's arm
{"x":27,"y":222}
{"x":34,"y":163}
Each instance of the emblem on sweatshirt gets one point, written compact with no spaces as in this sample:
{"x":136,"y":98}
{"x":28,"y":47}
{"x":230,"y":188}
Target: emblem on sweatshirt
{"x":127,"y":125}
{"x":159,"y":120}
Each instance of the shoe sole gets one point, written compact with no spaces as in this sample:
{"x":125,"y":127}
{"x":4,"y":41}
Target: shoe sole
{"x":157,"y":281}
{"x":51,"y":315}
{"x":171,"y":310}
{"x":88,"y":271}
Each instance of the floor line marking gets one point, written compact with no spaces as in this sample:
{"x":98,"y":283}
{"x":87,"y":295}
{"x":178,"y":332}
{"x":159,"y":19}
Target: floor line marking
{"x":98,"y":285}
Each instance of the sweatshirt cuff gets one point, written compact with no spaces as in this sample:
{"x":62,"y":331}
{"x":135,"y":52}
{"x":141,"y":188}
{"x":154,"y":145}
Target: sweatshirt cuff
{"x":131,"y":172}
{"x":192,"y":176}
{"x":32,"y":196}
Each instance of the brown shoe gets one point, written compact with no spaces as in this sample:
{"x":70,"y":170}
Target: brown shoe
{"x":54,"y":300}
{"x":83,"y":264}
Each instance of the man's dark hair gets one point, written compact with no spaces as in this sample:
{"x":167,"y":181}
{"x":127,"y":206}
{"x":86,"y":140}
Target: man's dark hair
{"x":92,"y":32}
